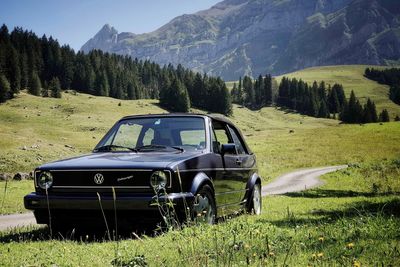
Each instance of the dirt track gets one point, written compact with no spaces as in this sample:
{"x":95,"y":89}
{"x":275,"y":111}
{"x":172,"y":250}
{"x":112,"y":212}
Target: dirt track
{"x":290,"y":182}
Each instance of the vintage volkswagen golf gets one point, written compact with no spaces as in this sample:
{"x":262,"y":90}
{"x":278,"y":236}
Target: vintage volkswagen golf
{"x":199,"y":164}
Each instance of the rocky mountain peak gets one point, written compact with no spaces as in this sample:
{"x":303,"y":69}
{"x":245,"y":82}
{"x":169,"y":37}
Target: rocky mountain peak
{"x":104,"y":40}
{"x":251,"y":37}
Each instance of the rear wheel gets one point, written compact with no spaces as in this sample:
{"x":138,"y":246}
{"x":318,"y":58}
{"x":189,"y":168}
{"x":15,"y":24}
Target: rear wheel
{"x":255,"y":203}
{"x":204,"y":208}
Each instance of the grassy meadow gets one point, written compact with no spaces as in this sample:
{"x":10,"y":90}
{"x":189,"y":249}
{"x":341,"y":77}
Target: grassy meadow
{"x":74,"y":124}
{"x":352,"y":220}
{"x":349,"y":221}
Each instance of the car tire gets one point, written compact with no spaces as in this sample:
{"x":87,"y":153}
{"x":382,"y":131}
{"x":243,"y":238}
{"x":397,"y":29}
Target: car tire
{"x":255,"y":201}
{"x":203,"y":208}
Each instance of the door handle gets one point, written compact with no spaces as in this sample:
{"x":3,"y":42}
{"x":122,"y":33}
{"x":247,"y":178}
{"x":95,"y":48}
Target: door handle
{"x":238,"y":162}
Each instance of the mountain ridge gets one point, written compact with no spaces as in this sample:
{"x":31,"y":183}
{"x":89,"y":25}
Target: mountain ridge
{"x":239,"y":37}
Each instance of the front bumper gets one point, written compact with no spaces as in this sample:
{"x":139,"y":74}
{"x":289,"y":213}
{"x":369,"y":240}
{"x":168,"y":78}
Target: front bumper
{"x":86,"y":210}
{"x":35,"y":201}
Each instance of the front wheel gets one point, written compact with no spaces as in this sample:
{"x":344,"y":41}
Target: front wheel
{"x":204,"y":208}
{"x":255,"y":203}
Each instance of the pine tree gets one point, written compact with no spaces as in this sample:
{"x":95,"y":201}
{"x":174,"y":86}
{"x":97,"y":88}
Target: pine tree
{"x":234,"y":93}
{"x":333,"y":99}
{"x":14,"y":71}
{"x":240,"y":97}
{"x":369,"y":112}
{"x":4,"y":88}
{"x":323,"y":110}
{"x":259,"y":91}
{"x":225,"y":105}
{"x":394,"y":93}
{"x":131,"y":90}
{"x":182,"y":102}
{"x":35,"y":85}
{"x":55,"y":88}
{"x":384,"y":116}
{"x":248,"y":90}
{"x":268,"y":89}
{"x":353,"y":111}
{"x":283,"y":92}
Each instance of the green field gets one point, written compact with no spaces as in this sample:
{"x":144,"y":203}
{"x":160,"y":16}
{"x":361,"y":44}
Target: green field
{"x":79,"y":121}
{"x":353,"y":219}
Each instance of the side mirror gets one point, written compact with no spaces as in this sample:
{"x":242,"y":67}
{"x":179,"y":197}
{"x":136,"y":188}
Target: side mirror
{"x":228,"y":149}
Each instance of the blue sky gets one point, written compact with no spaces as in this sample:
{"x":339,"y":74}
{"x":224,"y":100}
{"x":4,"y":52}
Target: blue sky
{"x":74,"y":22}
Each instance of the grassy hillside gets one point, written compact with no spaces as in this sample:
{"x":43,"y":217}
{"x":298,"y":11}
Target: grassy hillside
{"x":352,"y":78}
{"x":339,"y":223}
{"x":36,"y":130}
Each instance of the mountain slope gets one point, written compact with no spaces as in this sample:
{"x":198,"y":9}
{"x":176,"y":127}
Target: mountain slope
{"x":238,"y":37}
{"x":352,"y":78}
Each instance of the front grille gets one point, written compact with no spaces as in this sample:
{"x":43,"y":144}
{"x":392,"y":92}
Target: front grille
{"x":102,"y":180}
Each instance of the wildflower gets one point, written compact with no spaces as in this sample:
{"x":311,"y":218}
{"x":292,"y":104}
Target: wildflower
{"x":320,"y":255}
{"x":314,"y":255}
{"x":350,"y":245}
{"x":356,"y":263}
{"x":271,"y":254}
{"x":321,"y":239}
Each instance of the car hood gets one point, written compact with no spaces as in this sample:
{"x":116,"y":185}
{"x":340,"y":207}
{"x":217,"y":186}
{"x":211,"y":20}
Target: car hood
{"x":121,"y":160}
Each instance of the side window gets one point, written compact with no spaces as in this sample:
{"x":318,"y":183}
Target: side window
{"x":221,"y":134}
{"x":236,"y":139}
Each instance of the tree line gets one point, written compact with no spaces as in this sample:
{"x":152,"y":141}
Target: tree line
{"x":316,"y":100}
{"x":390,"y":77}
{"x":43,"y":67}
{"x":253,"y":94}
{"x":319,"y":100}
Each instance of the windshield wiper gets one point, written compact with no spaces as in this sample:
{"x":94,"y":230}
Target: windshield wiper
{"x":110,"y":147}
{"x":156,"y":147}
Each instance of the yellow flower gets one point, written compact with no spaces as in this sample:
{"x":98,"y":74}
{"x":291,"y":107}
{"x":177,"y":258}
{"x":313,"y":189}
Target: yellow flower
{"x":321,"y":239}
{"x":314,"y":255}
{"x":356,"y":264}
{"x":272,"y":254}
{"x":350,"y":245}
{"x":320,"y":255}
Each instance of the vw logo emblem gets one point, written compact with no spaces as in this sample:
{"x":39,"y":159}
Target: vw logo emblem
{"x":98,"y":178}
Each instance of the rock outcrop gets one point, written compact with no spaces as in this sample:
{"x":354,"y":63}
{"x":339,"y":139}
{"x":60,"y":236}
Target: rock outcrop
{"x":238,"y":37}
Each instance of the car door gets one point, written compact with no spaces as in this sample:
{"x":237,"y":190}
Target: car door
{"x":229,"y":186}
{"x":244,"y":162}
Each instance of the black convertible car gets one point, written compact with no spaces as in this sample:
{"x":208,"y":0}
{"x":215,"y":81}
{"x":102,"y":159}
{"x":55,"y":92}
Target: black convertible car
{"x":198,"y":166}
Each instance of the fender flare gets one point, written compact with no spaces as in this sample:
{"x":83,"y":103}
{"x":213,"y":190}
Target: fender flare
{"x":254,"y":179}
{"x":198,"y":181}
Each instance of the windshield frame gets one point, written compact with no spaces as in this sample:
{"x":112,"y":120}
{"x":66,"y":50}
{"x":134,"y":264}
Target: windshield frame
{"x":115,"y":127}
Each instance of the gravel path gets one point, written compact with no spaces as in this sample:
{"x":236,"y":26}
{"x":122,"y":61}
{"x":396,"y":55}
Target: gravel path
{"x":290,"y":182}
{"x":298,"y":180}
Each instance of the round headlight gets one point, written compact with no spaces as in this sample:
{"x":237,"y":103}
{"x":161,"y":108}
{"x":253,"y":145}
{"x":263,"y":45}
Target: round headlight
{"x":158,"y":180}
{"x":45,"y":180}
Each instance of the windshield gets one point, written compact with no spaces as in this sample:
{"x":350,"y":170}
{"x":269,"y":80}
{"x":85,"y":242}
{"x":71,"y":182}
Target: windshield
{"x":160,"y":134}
